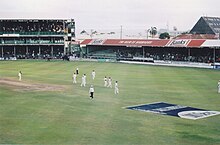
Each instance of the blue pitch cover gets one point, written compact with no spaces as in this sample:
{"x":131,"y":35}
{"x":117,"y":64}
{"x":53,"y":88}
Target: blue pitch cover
{"x":175,"y":110}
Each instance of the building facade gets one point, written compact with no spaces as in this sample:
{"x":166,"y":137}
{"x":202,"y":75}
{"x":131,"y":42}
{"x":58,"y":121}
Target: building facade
{"x":36,"y":38}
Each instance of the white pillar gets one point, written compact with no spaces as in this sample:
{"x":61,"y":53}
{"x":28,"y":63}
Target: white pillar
{"x":214,"y":55}
{"x":39,"y":51}
{"x":189,"y":53}
{"x":2,"y":51}
{"x":26,"y":49}
{"x":52,"y":51}
{"x":14,"y":51}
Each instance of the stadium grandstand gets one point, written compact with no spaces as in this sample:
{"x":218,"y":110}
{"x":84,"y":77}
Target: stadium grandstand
{"x":37,"y":38}
{"x":201,"y":45}
{"x":191,"y":50}
{"x":53,"y":38}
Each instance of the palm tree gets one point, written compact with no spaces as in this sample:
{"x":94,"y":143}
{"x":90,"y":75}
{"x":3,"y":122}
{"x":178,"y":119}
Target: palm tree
{"x":153,"y":31}
{"x":93,"y":32}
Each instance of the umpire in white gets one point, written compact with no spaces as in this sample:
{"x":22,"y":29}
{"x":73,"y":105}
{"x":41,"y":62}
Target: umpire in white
{"x":91,"y":91}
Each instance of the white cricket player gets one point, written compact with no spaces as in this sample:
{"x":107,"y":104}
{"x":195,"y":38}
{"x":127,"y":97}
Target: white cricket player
{"x":74,"y":78}
{"x":19,"y":75}
{"x":105,"y":81}
{"x":83,"y":80}
{"x":116,"y":87}
{"x":91,"y":91}
{"x":110,"y":82}
{"x":93,"y":74}
{"x":219,"y":86}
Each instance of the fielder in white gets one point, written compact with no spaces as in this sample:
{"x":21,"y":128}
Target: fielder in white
{"x":19,"y":75}
{"x":83,"y":84}
{"x":219,"y":86}
{"x":74,"y":78}
{"x":105,"y":81}
{"x":110,"y":82}
{"x":93,"y":74}
{"x":116,"y":88}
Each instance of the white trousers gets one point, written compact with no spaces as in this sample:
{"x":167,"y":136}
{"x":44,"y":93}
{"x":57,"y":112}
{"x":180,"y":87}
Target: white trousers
{"x":116,"y":91}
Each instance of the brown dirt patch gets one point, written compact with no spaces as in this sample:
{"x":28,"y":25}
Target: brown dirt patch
{"x":26,"y":86}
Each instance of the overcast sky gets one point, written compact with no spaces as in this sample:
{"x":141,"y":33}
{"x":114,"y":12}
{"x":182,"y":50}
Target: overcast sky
{"x":111,"y":14}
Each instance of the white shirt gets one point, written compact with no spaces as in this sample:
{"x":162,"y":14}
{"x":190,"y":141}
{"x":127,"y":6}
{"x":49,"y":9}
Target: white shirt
{"x":93,"y":74}
{"x":19,"y":74}
{"x":91,"y":90}
{"x":85,"y":78}
{"x":109,"y":82}
{"x":116,"y":85}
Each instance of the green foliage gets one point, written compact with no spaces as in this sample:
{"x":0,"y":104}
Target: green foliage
{"x":164,"y":35}
{"x":70,"y":117}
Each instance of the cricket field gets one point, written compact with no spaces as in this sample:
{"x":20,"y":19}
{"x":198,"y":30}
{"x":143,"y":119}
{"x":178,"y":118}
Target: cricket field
{"x":47,"y":108}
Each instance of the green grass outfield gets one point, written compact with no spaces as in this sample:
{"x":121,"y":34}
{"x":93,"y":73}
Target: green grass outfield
{"x":70,"y":117}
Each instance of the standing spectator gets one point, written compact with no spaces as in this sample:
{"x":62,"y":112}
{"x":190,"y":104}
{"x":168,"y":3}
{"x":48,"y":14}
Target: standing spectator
{"x":93,"y":74}
{"x":74,"y":78}
{"x":91,"y":91}
{"x":116,"y":87}
{"x":110,"y":82}
{"x":19,"y":75}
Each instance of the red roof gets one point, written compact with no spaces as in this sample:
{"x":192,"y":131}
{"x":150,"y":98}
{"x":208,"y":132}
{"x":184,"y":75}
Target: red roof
{"x":153,"y":43}
{"x":86,"y":41}
{"x":125,"y":42}
{"x":196,"y":43}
